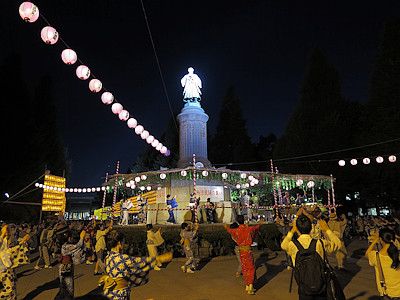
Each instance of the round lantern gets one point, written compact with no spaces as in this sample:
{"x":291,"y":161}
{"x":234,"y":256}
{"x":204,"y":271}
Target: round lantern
{"x":128,"y":184}
{"x":159,"y":146}
{"x":49,"y":35}
{"x":143,"y":177}
{"x":379,"y":159}
{"x":123,"y":115}
{"x":251,"y":177}
{"x":238,"y":186}
{"x":116,"y":108}
{"x":145,"y":134}
{"x":168,"y":153}
{"x":299,"y":182}
{"x":243,"y":175}
{"x":204,"y":173}
{"x":148,"y":188}
{"x":246,"y":185}
{"x":256,"y":181}
{"x":137,"y":179}
{"x":183,"y":173}
{"x":132,"y":123}
{"x":155,"y":143}
{"x":83,"y":72}
{"x":252,"y":183}
{"x":83,"y":190}
{"x":37,"y":184}
{"x":392,"y":158}
{"x":366,"y":161}
{"x":29,"y":12}
{"x":342,"y":163}
{"x":310,"y":184}
{"x":353,"y":162}
{"x":107,"y":98}
{"x":150,"y":139}
{"x":224,"y":175}
{"x":75,"y":190}
{"x":163,"y":150}
{"x":103,"y":188}
{"x":132,"y":182}
{"x":139,"y":129}
{"x":133,"y":186}
{"x":69,"y":56}
{"x":142,"y":188}
{"x":163,"y":176}
{"x":79,"y":190}
{"x":98,"y":189}
{"x":95,"y":85}
{"x":67,"y":190}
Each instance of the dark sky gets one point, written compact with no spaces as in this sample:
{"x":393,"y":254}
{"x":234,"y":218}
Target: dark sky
{"x":260,"y":47}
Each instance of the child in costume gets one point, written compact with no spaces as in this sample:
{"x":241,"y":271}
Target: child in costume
{"x":188,"y":241}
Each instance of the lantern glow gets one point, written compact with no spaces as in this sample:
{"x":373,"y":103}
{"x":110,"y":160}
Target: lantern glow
{"x":123,"y":115}
{"x":29,"y":12}
{"x":392,"y":158}
{"x":83,"y":72}
{"x":116,"y":108}
{"x":379,"y":159}
{"x":49,"y":35}
{"x":139,"y":129}
{"x":107,"y":98}
{"x":69,"y":56}
{"x":132,"y":123}
{"x":95,"y":85}
{"x":353,"y":162}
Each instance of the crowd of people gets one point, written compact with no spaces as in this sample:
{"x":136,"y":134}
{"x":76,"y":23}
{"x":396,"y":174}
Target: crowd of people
{"x":308,"y":237}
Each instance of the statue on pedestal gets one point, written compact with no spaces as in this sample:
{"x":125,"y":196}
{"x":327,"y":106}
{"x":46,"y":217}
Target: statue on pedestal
{"x":192,"y":85}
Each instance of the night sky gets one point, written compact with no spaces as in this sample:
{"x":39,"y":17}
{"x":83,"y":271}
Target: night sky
{"x":260,"y":47}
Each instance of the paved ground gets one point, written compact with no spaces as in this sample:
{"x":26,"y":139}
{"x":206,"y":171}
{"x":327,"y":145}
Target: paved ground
{"x":215,"y":280}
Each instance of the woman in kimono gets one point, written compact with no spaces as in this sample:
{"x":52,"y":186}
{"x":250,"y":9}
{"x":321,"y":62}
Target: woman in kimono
{"x":10,"y":258}
{"x":124,"y":271}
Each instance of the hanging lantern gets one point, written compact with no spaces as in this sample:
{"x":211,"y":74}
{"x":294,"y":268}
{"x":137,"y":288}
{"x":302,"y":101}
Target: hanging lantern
{"x":143,"y":177}
{"x":163,"y":176}
{"x":137,"y":179}
{"x":150,"y":139}
{"x":148,"y":188}
{"x":83,"y":190}
{"x":204,"y":173}
{"x":132,"y":123}
{"x":251,"y":177}
{"x":95,"y":85}
{"x":79,"y":190}
{"x":132,"y":182}
{"x":379,"y":159}
{"x":342,"y":163}
{"x":299,"y":182}
{"x":238,"y":186}
{"x":133,"y":186}
{"x":366,"y":161}
{"x":256,"y":181}
{"x":69,"y":56}
{"x":243,"y":175}
{"x":145,"y":134}
{"x":139,"y":129}
{"x":67,"y":190}
{"x":29,"y":12}
{"x":246,"y":185}
{"x":123,"y":115}
{"x":116,"y":108}
{"x":353,"y":162}
{"x":142,"y":188}
{"x":183,"y":173}
{"x":107,"y":98}
{"x":168,"y":153}
{"x":159,"y":146}
{"x":163,"y":150}
{"x":128,"y":184}
{"x":49,"y":35}
{"x":252,"y":183}
{"x":224,"y":175}
{"x":75,"y":190}
{"x":103,"y":188}
{"x":155,"y":143}
{"x":310,"y":184}
{"x":392,"y":158}
{"x":98,"y":189}
{"x":83,"y":72}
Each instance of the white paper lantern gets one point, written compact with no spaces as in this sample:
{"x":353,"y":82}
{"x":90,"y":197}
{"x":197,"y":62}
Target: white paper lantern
{"x":145,"y":134}
{"x":95,"y":85}
{"x":155,"y":143}
{"x":204,"y":173}
{"x":133,"y":186}
{"x":69,"y":56}
{"x":79,"y":190}
{"x":143,"y":177}
{"x":342,"y":163}
{"x":238,"y":186}
{"x":243,"y":175}
{"x":246,"y":185}
{"x":256,"y":181}
{"x":310,"y":184}
{"x":128,"y":184}
{"x":299,"y":182}
{"x":163,"y":176}
{"x":29,"y":12}
{"x":67,"y":190}
{"x":224,"y":175}
{"x":252,"y":183}
{"x":37,"y":184}
{"x":366,"y":161}
{"x":379,"y":159}
{"x":142,"y":188}
{"x":83,"y":72}
{"x":75,"y":190}
{"x":103,"y":188}
{"x":49,"y":35}
{"x":83,"y":190}
{"x":150,"y":139}
{"x":116,"y":108}
{"x":132,"y":123}
{"x":107,"y":98}
{"x":148,"y":188}
{"x":251,"y":177}
{"x":98,"y":189}
{"x":139,"y":129}
{"x":163,"y":150}
{"x":159,"y":146}
{"x":183,"y":173}
{"x":137,"y":179}
{"x":123,"y":115}
{"x":353,"y":162}
{"x":392,"y":158}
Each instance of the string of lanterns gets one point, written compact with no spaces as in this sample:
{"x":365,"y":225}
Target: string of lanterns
{"x":367,"y":160}
{"x":29,"y":12}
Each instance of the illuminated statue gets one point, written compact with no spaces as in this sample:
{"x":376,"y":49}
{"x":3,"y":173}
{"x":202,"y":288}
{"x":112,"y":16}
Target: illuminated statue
{"x":192,"y":85}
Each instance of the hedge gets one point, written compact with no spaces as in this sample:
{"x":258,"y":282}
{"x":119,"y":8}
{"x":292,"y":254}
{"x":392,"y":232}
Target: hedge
{"x":213,"y":240}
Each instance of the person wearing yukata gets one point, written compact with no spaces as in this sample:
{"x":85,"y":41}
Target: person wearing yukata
{"x":11,"y":258}
{"x":188,"y":241}
{"x":338,"y":226}
{"x":171,"y":205}
{"x":126,"y":206}
{"x":243,"y":236}
{"x":124,"y":271}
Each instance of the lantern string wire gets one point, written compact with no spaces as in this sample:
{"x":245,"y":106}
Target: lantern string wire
{"x":159,"y":65}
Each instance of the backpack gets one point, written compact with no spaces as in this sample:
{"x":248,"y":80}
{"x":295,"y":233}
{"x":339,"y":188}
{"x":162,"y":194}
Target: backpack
{"x":309,"y":270}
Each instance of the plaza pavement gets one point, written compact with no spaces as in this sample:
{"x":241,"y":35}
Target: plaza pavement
{"x":216,"y":280}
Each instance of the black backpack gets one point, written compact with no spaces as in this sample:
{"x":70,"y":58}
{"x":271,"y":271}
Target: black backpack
{"x":309,"y":270}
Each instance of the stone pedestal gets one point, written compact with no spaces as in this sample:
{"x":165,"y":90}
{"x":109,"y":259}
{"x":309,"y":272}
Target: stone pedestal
{"x":193,"y":135}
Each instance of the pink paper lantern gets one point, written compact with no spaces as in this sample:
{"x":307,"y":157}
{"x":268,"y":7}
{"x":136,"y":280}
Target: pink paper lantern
{"x":69,"y":56}
{"x":83,"y":72}
{"x":139,"y":129}
{"x":392,"y":158}
{"x":132,"y":123}
{"x":168,"y":153}
{"x":95,"y":85}
{"x":159,"y":146}
{"x":163,"y":150}
{"x":150,"y":139}
{"x":155,"y":143}
{"x":107,"y":98}
{"x":145,"y":134}
{"x":123,"y":115}
{"x":49,"y":35}
{"x":116,"y":108}
{"x":379,"y":159}
{"x":29,"y":12}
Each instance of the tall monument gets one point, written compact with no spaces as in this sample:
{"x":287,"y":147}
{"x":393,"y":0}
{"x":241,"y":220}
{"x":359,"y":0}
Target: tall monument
{"x":192,"y":124}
